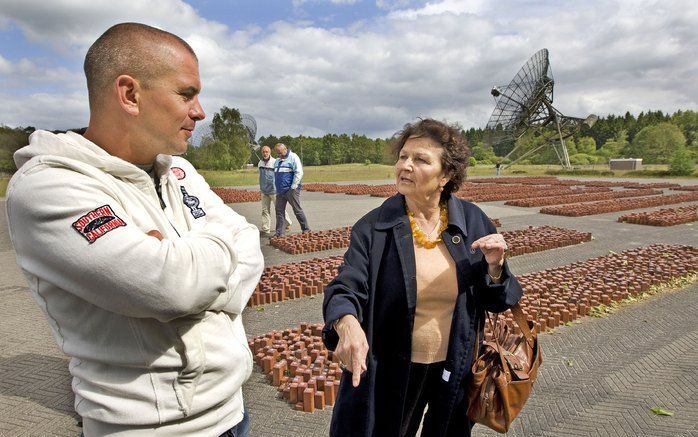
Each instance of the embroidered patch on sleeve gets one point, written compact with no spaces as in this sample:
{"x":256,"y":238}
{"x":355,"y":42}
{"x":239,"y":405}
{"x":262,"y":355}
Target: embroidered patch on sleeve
{"x":192,"y":203}
{"x":178,"y":172}
{"x":96,"y":223}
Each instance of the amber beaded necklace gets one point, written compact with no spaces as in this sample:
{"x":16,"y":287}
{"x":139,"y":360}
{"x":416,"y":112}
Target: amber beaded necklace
{"x":418,"y":234}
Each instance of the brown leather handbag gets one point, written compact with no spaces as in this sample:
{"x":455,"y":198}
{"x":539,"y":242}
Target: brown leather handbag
{"x":503,"y":373}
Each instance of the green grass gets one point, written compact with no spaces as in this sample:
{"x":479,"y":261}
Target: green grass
{"x":324,"y":173}
{"x":362,"y":172}
{"x":596,"y":170}
{"x":219,"y":178}
{"x":3,"y":186}
{"x":353,"y":172}
{"x":514,"y":170}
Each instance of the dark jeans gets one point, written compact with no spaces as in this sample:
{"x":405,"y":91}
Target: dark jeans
{"x":292,"y":197}
{"x":422,"y":386}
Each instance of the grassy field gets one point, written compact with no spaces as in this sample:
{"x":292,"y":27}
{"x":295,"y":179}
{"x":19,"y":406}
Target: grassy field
{"x":361,"y":172}
{"x":596,"y":170}
{"x":324,"y":173}
{"x":335,"y":173}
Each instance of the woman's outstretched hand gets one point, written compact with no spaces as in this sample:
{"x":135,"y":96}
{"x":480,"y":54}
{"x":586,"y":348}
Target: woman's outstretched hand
{"x":352,"y":347}
{"x":493,"y":247}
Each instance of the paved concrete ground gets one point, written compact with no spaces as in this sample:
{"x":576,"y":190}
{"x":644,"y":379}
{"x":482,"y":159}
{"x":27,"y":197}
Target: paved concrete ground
{"x":600,"y":377}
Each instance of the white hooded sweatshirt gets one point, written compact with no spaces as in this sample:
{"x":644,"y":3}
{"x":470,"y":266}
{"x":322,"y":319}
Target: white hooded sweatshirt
{"x":153,"y":327}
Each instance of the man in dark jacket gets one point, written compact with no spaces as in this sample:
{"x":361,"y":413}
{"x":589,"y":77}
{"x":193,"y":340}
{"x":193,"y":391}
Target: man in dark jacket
{"x":288,"y":173}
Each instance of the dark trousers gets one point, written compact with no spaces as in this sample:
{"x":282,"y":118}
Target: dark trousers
{"x":292,"y":197}
{"x":422,"y":386}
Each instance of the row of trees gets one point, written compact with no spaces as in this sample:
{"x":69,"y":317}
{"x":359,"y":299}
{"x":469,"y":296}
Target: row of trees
{"x":225,"y":147}
{"x":653,"y":136}
{"x":335,"y":149}
{"x":607,"y":128}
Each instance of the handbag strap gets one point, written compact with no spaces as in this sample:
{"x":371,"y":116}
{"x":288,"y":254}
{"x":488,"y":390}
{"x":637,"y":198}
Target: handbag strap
{"x":520,"y":320}
{"x":500,"y":350}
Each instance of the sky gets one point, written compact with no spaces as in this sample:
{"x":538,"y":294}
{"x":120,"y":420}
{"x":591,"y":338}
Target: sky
{"x":313,"y":67}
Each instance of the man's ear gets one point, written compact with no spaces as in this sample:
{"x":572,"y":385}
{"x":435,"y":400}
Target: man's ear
{"x":128,"y":92}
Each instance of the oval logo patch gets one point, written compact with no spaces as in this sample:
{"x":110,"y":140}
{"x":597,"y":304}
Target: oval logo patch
{"x":178,"y":172}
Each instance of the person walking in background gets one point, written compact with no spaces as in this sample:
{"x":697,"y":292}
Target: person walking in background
{"x":268,"y":190}
{"x":142,"y":271}
{"x":403,"y":311}
{"x":288,"y":174}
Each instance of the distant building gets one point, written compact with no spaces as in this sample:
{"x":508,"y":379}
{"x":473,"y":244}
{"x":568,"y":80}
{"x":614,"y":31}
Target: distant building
{"x":626,"y":164}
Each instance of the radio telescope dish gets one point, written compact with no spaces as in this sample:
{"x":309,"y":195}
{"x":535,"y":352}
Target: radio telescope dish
{"x":251,"y":127}
{"x":201,"y":135}
{"x":526,"y":104}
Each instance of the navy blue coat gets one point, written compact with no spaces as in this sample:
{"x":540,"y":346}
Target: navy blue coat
{"x":377,"y":283}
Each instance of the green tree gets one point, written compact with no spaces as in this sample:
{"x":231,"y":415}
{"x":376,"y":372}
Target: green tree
{"x":7,"y":164}
{"x":213,"y":155}
{"x":656,"y":144}
{"x":582,"y":159}
{"x":331,"y":150}
{"x":315,"y":158}
{"x":11,"y":140}
{"x":227,"y":128}
{"x":269,"y":141}
{"x":544,"y":155}
{"x":586,"y":145}
{"x":360,"y":149}
{"x":239,"y":154}
{"x":382,"y":152}
{"x":687,"y":121}
{"x":571,"y":145}
{"x":682,"y":163}
{"x":482,"y":152}
{"x":343,"y":156}
{"x":309,"y":147}
{"x":651,"y":118}
{"x":474,"y":135}
{"x":613,"y":147}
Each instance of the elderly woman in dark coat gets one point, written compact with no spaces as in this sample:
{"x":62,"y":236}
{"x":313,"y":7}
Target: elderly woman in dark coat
{"x":403,"y":311}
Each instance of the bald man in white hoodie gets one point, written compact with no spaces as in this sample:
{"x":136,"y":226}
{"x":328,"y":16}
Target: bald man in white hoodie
{"x":141,"y":270}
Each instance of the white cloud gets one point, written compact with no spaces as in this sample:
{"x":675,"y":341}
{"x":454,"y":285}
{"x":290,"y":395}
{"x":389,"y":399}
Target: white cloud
{"x":390,"y":5}
{"x":438,"y":60}
{"x":297,"y":3}
{"x":442,"y":7}
{"x":45,"y":110}
{"x":67,"y":25}
{"x":25,"y":74}
{"x":5,"y":66}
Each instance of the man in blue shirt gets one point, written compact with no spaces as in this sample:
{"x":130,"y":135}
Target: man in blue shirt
{"x":288,"y":173}
{"x":268,"y":189}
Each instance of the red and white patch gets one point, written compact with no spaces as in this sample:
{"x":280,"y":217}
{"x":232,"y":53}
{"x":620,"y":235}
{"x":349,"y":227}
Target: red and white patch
{"x":178,"y":172}
{"x":96,"y":223}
